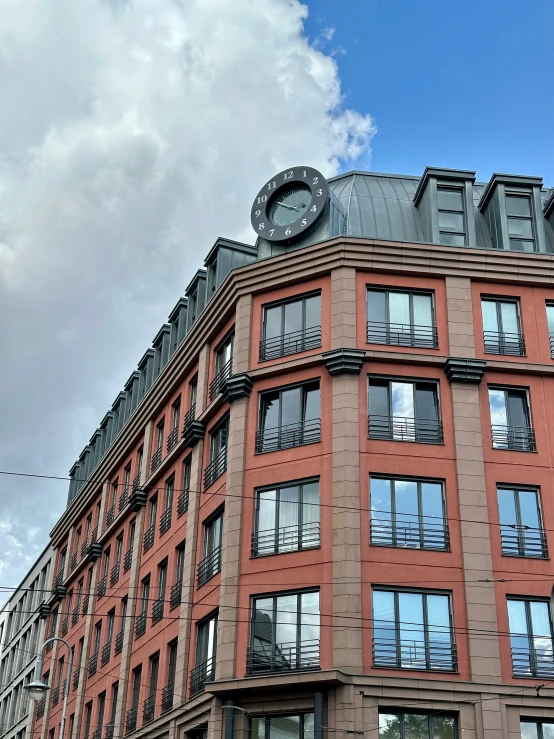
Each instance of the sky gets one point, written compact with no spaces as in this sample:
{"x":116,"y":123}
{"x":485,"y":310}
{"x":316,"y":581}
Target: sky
{"x":133,"y":133}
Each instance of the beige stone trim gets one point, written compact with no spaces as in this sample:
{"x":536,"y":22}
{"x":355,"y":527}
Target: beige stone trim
{"x":460,"y":317}
{"x":343,"y":308}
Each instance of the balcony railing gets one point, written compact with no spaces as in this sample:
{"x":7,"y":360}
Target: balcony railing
{"x":97,"y":733}
{"x":183,"y":503}
{"x":119,"y":642}
{"x":55,"y":696}
{"x":157,"y":610}
{"x":215,"y":469}
{"x":109,"y":730}
{"x":167,"y":697}
{"x":288,"y":436}
{"x":286,"y":539}
{"x":414,"y":655}
{"x":165,"y":521}
{"x":114,"y":574}
{"x":102,"y":586}
{"x":533,"y":661}
{"x":65,"y":626}
{"x":189,"y":418}
{"x":156,"y":459}
{"x":136,"y":482}
{"x":291,"y":343}
{"x":217,"y":385}
{"x":127,"y":560}
{"x":131,"y":719}
{"x":209,"y":566}
{"x":523,"y":541}
{"x":410,"y":531}
{"x":74,"y":561}
{"x":287,"y":657}
{"x":50,"y":646}
{"x":552,"y":346}
{"x":41,"y":705}
{"x":396,"y":428}
{"x":402,"y":334}
{"x":123,"y":499}
{"x":175,"y":594}
{"x":110,"y":516}
{"x":86,"y":600}
{"x":498,"y":342}
{"x":76,"y":674}
{"x":172,"y":440}
{"x":140,"y":624}
{"x":93,"y":664}
{"x":515,"y":438}
{"x":148,"y":539}
{"x":94,"y":535}
{"x":106,"y":653}
{"x":75,"y":615}
{"x":58,"y":580}
{"x":148,"y":708}
{"x":202,"y":674}
{"x":84,"y":548}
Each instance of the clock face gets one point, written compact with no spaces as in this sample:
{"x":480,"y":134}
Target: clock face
{"x":290,"y":204}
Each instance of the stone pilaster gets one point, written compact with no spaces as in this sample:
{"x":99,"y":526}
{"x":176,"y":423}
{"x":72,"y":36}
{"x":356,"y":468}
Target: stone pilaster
{"x":459,"y":308}
{"x":343,"y":307}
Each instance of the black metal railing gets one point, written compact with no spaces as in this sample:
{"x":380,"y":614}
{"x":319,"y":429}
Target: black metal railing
{"x":140,"y":624}
{"x":413,"y":654}
{"x":106,"y":653}
{"x":157,"y":610}
{"x":97,"y":733}
{"x":86,"y":600}
{"x":209,"y":566}
{"x":165,"y":521}
{"x":189,"y":418}
{"x":75,"y":615}
{"x":136,"y":483}
{"x":167,"y":697}
{"x":172,"y":439}
{"x":402,"y":334}
{"x":41,"y":705}
{"x":395,"y":428}
{"x":84,"y":548}
{"x":55,"y":696}
{"x":291,"y":343}
{"x":110,"y":516}
{"x":65,"y":626}
{"x":175,"y":594}
{"x":533,"y":661}
{"x":183,"y":503}
{"x":515,"y":438}
{"x":156,"y":459}
{"x":101,"y":590}
{"x":498,"y":342}
{"x":148,"y":538}
{"x":148,"y":708}
{"x":410,"y":531}
{"x":76,"y":674}
{"x":286,"y":539}
{"x":552,"y":346}
{"x":217,"y":385}
{"x":119,"y":642}
{"x":215,"y":469}
{"x":131,"y":719}
{"x":127,"y":560}
{"x":202,"y":674}
{"x":50,"y":646}
{"x":109,"y":730}
{"x":114,"y":574}
{"x":58,"y":580}
{"x":288,"y":436}
{"x":73,"y":562}
{"x":287,"y":657}
{"x":123,"y":499}
{"x":94,"y":535}
{"x":523,"y":541}
{"x":93,"y":664}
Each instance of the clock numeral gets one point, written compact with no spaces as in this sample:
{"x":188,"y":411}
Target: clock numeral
{"x":303,"y":222}
{"x":262,"y":199}
{"x":261,"y":226}
{"x":315,"y":180}
{"x":272,"y":232}
{"x":271,"y":185}
{"x":314,"y":208}
{"x":288,"y":232}
{"x":304,"y":173}
{"x":258,"y":213}
{"x":288,"y":175}
{"x":319,"y":192}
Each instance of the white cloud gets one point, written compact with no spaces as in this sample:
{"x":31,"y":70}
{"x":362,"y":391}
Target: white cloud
{"x":132,"y":134}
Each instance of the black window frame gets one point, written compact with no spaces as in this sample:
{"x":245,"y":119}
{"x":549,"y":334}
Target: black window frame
{"x":295,"y":342}
{"x":519,"y":656}
{"x":530,"y":218}
{"x":431,"y":715}
{"x":210,"y":564}
{"x":522,"y":539}
{"x":204,"y":670}
{"x":502,"y":342}
{"x":538,"y":723}
{"x":222,"y":369}
{"x":512,"y":437}
{"x":219,"y":442}
{"x":288,"y":436}
{"x":443,"y":187}
{"x":405,"y":335}
{"x":266,"y":718}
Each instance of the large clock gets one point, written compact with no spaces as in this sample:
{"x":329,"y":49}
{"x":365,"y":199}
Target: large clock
{"x":289,"y":204}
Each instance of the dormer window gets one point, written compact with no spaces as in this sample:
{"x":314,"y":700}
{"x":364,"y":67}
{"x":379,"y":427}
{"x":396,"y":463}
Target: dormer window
{"x":212,"y":274}
{"x":451,"y":216}
{"x":520,"y":222}
{"x":193,"y":302}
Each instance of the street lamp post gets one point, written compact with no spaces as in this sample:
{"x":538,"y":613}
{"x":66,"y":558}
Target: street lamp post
{"x":38,"y":689}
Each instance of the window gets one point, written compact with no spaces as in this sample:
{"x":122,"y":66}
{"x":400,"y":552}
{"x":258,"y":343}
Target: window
{"x":501,"y":327}
{"x":167,"y":692}
{"x":107,"y":648}
{"x":110,"y":515}
{"x":510,"y":419}
{"x":284,"y":633}
{"x":140,"y":459}
{"x":404,"y":411}
{"x":126,"y":483}
{"x":521,"y":529}
{"x":158,"y":604}
{"x":110,"y":726}
{"x":189,"y":415}
{"x":537,"y":729}
{"x":206,"y":645}
{"x":173,"y":437}
{"x":148,"y":538}
{"x":401,"y":318}
{"x":300,"y":726}
{"x":121,"y":632}
{"x":287,"y":518}
{"x":223,"y":366}
{"x":140,"y":621}
{"x":150,"y":702}
{"x":218,"y":453}
{"x":211,"y":552}
{"x":289,"y":417}
{"x":290,"y":327}
{"x":100,"y":718}
{"x":520,"y":222}
{"x":165,"y":518}
{"x":157,"y":456}
{"x":451,"y":216}
{"x":104,"y":581}
{"x":193,"y":306}
{"x":550,"y":319}
{"x":183,"y":500}
{"x":413,"y":630}
{"x":408,"y":513}
{"x":93,"y":660}
{"x":131,"y":718}
{"x":88,"y":719}
{"x":129,"y":553}
{"x":530,"y":638}
{"x":176,"y":589}
{"x":394,"y":725}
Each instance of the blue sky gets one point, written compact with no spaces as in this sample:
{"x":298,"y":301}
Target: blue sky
{"x":467,"y":85}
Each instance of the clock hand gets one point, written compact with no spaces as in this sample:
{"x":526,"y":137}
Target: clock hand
{"x":290,"y":207}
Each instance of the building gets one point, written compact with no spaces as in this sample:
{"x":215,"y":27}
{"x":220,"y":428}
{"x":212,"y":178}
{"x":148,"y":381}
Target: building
{"x":21,"y":634}
{"x":322,"y":504}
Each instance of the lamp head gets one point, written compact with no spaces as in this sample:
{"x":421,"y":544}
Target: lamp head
{"x":37,"y":690}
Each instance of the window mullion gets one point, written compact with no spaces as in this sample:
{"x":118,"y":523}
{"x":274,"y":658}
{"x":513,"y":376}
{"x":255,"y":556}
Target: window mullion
{"x":426,"y":633}
{"x":393,"y":513}
{"x":420,"y":514}
{"x":397,"y":630}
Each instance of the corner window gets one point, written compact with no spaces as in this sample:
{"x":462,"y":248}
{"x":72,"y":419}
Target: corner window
{"x":299,"y":726}
{"x":451,"y":216}
{"x":501,"y":327}
{"x":530,"y":638}
{"x":511,"y":419}
{"x":393,"y":725}
{"x":289,"y":417}
{"x":520,"y":223}
{"x":401,"y":318}
{"x":521,"y":528}
{"x":290,"y":327}
{"x":404,"y":411}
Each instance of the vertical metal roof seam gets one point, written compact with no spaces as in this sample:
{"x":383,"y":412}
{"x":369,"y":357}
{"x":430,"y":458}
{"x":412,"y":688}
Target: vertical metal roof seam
{"x":349,"y":199}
